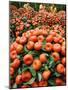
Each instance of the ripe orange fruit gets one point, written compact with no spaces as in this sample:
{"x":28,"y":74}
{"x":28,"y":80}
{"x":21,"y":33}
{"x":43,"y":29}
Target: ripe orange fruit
{"x":19,"y":48}
{"x":28,"y":59}
{"x":25,"y":86}
{"x":15,"y":64}
{"x":18,"y":39}
{"x":12,"y":47}
{"x":15,"y":44}
{"x":52,"y":33}
{"x":11,"y":71}
{"x":40,"y":38}
{"x":43,"y":83}
{"x":23,"y":40}
{"x":49,"y":38}
{"x":46,"y":74}
{"x":34,"y":84}
{"x":58,"y":81}
{"x":63,"y":60}
{"x":43,"y":58}
{"x":60,"y":68}
{"x":56,"y":56}
{"x":38,"y":46}
{"x":33,"y":38}
{"x":36,"y":64}
{"x":13,"y":54}
{"x":56,"y":39}
{"x":30,"y":45}
{"x":57,"y":47}
{"x":36,"y":32}
{"x":63,"y":50}
{"x":44,"y":32}
{"x":48,"y":47}
{"x":26,"y":76}
{"x":18,"y":79}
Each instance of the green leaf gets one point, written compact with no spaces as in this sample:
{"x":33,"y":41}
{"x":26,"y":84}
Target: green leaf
{"x":42,"y":69}
{"x":33,"y":72}
{"x":43,"y":43}
{"x":51,"y":58}
{"x":39,"y":76}
{"x":56,"y":74}
{"x":20,"y":57}
{"x":19,"y":71}
{"x":36,"y":6}
{"x":24,"y":19}
{"x":31,"y":26}
{"x":12,"y":27}
{"x":25,"y":50}
{"x":46,"y":67}
{"x":51,"y":62}
{"x":25,"y":69}
{"x":36,"y":57}
{"x":34,"y":53}
{"x":14,"y":85}
{"x":51,"y":82}
{"x":47,"y":54}
{"x":30,"y":81}
{"x":11,"y":77}
{"x":31,"y":52}
{"x":58,"y":62}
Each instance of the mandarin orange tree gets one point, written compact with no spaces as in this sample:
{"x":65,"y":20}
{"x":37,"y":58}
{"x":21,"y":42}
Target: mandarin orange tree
{"x":37,"y":45}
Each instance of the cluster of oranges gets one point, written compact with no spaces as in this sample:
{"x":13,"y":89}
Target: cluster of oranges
{"x":46,"y":40}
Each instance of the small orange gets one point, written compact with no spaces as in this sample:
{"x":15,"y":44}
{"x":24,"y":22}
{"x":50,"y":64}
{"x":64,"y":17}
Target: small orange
{"x":56,"y":56}
{"x":28,"y":59}
{"x":30,"y":45}
{"x":34,"y":84}
{"x":46,"y":74}
{"x":48,"y":47}
{"x":40,"y":38}
{"x":58,"y":81}
{"x":57,"y":47}
{"x":13,"y":54}
{"x":26,"y":76}
{"x":43,"y":58}
{"x":60,"y":68}
{"x":36,"y":64}
{"x":19,"y":48}
{"x":18,"y":79}
{"x":43,"y":83}
{"x":63,"y":60}
{"x":49,"y":38}
{"x":33,"y":38}
{"x":38,"y":46}
{"x":11,"y":71}
{"x":15,"y":64}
